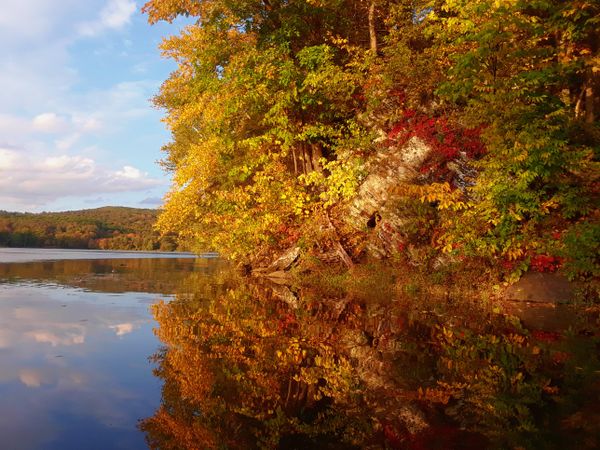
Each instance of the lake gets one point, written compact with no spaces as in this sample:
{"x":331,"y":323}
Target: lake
{"x":76,"y":337}
{"x":130,"y":351}
{"x":121,"y":350}
{"x":10,"y":255}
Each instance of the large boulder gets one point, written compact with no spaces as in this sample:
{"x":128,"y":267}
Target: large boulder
{"x":372,"y":208}
{"x":541,"y":301}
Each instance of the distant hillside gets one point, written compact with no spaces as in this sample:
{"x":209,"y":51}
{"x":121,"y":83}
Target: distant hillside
{"x":110,"y":227}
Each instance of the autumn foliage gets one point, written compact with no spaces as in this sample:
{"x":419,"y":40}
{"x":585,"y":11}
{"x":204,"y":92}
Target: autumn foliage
{"x":277,"y":108}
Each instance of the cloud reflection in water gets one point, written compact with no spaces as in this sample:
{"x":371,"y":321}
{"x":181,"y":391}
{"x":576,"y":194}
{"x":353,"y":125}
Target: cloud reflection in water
{"x":73,"y":367}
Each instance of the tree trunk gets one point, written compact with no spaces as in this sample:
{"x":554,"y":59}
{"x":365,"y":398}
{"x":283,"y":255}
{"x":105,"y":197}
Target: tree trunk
{"x":295,"y":161}
{"x":591,"y":83}
{"x":316,"y":155}
{"x":306,"y":159}
{"x":589,"y":97}
{"x":372,"y":30}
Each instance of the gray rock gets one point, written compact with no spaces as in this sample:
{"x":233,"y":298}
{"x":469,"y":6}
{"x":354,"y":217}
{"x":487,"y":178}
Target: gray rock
{"x":285,"y":261}
{"x":387,"y":171}
{"x":285,"y":294}
{"x":464,"y":172}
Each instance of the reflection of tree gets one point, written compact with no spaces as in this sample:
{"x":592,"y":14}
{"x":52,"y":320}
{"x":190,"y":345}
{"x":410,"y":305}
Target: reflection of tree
{"x":238,"y":372}
{"x":154,"y":275}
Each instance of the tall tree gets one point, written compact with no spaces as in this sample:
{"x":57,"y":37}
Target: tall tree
{"x":263,"y":101}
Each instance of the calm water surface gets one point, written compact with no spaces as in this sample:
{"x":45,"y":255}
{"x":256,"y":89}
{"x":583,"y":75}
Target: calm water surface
{"x":50,"y":254}
{"x":114,"y":352}
{"x":183,"y":353}
{"x":75,"y":340}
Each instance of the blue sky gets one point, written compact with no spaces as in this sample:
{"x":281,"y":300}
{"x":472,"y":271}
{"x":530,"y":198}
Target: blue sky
{"x":77,"y":128}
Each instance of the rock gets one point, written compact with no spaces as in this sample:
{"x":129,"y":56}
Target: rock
{"x":371,"y":208}
{"x":541,"y":288}
{"x":285,"y":261}
{"x":463,"y":171}
{"x":386,"y":171}
{"x":415,"y":152}
{"x":285,"y":294}
{"x":541,"y":301}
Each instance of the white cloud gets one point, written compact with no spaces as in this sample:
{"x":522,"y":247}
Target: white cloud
{"x":129,"y":172}
{"x":73,"y":336}
{"x":66,"y":142}
{"x":11,"y":125}
{"x":14,"y":129}
{"x":29,"y":179}
{"x":9,"y":160}
{"x":65,"y":113}
{"x":22,"y":21}
{"x":87,"y":123}
{"x":31,"y":377}
{"x":49,"y":122}
{"x":152,"y":201}
{"x":115,"y":15}
{"x":6,"y":339}
{"x":34,"y":40}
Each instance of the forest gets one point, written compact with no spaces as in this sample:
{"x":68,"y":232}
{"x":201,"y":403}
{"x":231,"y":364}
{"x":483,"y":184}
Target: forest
{"x":397,"y":168}
{"x":114,"y":228}
{"x":281,"y":110}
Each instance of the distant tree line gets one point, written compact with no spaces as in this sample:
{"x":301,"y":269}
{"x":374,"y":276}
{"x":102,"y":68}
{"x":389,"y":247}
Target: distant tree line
{"x":110,"y":228}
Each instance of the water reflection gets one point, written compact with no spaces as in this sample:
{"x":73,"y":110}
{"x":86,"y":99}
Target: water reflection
{"x":243,"y":369}
{"x":163,"y":275}
{"x":15,"y":255}
{"x":240,"y":365}
{"x":75,"y":337}
{"x":248,"y":366}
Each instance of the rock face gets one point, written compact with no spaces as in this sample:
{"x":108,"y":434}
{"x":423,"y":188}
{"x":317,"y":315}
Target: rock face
{"x":541,"y":301}
{"x":285,"y":261}
{"x":386,"y":172}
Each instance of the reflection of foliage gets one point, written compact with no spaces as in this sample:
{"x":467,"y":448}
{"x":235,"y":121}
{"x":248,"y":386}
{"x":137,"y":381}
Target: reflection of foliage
{"x":236,"y":373}
{"x":519,"y":389}
{"x":352,"y":368}
{"x":154,"y":275}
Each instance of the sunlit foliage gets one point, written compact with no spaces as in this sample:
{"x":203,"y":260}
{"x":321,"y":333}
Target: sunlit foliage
{"x":275,"y":106}
{"x":262,"y":108}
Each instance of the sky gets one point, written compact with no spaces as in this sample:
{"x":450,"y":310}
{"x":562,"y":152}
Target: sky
{"x":77,"y":126}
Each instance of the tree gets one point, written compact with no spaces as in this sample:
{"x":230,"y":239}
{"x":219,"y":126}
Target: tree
{"x":261,"y":107}
{"x":520,"y":71}
{"x":276,"y":106}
